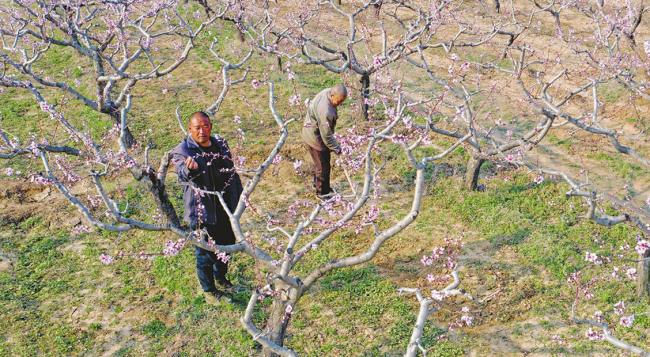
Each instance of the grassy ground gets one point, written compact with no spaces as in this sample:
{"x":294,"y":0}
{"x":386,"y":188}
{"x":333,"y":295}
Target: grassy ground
{"x":57,"y":299}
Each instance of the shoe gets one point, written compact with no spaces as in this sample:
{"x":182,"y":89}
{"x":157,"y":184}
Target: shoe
{"x":228,"y":286}
{"x":216,"y":298}
{"x":332,"y":192}
{"x":224,"y":282}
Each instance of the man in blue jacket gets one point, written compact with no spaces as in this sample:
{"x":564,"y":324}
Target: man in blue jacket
{"x":204,"y":163}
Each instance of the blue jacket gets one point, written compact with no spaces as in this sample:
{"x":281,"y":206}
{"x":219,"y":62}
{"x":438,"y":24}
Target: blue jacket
{"x":206,"y":179}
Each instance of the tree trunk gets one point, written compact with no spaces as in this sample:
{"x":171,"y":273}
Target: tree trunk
{"x":279,"y":328}
{"x":643,"y":276}
{"x":471,"y":176}
{"x":159,"y":192}
{"x":362,"y":107}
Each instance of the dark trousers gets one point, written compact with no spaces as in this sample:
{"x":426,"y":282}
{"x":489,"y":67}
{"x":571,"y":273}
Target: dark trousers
{"x":208,"y":266}
{"x":321,"y":169}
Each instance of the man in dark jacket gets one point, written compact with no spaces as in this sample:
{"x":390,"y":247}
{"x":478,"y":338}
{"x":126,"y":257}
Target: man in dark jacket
{"x":204,"y":162}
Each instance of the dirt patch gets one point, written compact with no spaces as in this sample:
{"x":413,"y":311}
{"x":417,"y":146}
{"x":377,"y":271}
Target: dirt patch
{"x":6,"y":261}
{"x":21,"y":200}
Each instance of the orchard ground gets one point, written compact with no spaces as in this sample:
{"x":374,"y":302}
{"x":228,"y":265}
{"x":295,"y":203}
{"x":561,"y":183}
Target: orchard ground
{"x":56,"y":298}
{"x":59,"y":300}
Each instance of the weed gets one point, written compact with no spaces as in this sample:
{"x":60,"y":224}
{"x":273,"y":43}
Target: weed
{"x":155,"y":328}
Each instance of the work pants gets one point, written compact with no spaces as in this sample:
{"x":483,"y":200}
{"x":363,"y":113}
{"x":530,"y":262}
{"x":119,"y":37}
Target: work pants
{"x":208,"y":267}
{"x":321,"y":169}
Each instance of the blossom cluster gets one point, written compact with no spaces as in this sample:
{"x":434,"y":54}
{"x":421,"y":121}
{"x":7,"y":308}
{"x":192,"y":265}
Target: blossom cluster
{"x":80,"y":229}
{"x":173,"y":248}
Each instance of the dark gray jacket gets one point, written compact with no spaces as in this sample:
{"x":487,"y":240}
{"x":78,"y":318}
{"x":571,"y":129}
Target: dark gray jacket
{"x":206,"y":177}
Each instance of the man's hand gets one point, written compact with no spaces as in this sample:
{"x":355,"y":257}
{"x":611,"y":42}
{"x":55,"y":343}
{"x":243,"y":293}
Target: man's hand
{"x":191,"y":164}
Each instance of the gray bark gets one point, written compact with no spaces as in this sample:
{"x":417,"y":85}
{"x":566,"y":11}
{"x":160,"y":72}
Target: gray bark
{"x":279,"y":329}
{"x":129,"y":139}
{"x":362,"y":107}
{"x":643,"y":276}
{"x":471,"y":176}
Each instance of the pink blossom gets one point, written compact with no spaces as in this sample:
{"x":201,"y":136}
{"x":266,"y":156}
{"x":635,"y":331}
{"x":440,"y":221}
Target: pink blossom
{"x":297,"y":164}
{"x":627,"y":321}
{"x":288,"y":311}
{"x":241,"y":161}
{"x":80,"y":229}
{"x":539,"y":179}
{"x":619,"y":307}
{"x":173,"y":248}
{"x":594,"y":336}
{"x":236,"y":119}
{"x":277,"y":159}
{"x":376,"y":62}
{"x":598,"y":315}
{"x":106,"y":259}
{"x":199,"y":192}
{"x":467,"y":319}
{"x":295,"y":99}
{"x":592,"y":257}
{"x":426,"y":260}
{"x":642,"y":246}
{"x":9,"y":171}
{"x":223,"y":257}
{"x":255,"y":83}
{"x":438,"y":295}
{"x":631,"y":273}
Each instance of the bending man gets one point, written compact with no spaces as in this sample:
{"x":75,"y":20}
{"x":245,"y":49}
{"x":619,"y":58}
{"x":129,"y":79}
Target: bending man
{"x":318,"y":133}
{"x":205,"y":161}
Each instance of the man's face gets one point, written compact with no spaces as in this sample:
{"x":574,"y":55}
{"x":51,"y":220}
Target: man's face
{"x":201,"y":129}
{"x":336,"y":101}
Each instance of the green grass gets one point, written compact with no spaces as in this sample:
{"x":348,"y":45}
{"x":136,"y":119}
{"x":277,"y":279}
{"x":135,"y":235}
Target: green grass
{"x":57,"y":301}
{"x":619,"y":164}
